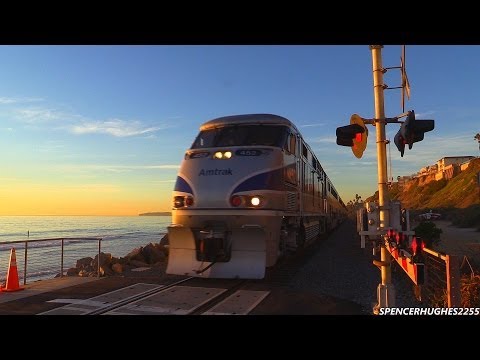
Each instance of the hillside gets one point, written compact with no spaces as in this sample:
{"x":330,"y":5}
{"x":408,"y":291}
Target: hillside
{"x":460,"y":192}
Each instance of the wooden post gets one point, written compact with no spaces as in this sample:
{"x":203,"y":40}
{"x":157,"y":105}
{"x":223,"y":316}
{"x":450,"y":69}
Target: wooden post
{"x":452,"y":264}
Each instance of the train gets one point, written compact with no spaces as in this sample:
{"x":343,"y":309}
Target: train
{"x":249,"y":190}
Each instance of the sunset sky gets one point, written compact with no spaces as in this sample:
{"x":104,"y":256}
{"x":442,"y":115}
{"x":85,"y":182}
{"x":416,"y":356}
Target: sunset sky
{"x":101,"y":130}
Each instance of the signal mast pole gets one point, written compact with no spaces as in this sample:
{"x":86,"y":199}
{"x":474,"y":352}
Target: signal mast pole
{"x":385,"y":290}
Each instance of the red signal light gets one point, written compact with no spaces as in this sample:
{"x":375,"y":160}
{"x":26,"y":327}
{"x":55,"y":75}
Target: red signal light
{"x":189,"y":201}
{"x":358,"y":137}
{"x":415,"y":245}
{"x":236,"y":200}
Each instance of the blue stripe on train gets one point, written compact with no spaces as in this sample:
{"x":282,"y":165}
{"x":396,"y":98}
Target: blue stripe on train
{"x":182,"y":185}
{"x":270,"y":180}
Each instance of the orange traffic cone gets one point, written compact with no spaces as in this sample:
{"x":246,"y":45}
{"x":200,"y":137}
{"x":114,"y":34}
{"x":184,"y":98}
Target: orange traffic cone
{"x":12,"y":275}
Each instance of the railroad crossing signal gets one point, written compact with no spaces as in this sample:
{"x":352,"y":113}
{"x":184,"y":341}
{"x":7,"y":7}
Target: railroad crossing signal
{"x":412,"y":131}
{"x":417,"y":247}
{"x":413,"y":264}
{"x":354,"y":135}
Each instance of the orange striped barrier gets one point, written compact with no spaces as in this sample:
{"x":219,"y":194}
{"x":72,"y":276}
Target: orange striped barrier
{"x":415,"y":270}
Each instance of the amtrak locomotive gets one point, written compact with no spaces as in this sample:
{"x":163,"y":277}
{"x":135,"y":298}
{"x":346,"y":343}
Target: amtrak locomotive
{"x":248,"y":190}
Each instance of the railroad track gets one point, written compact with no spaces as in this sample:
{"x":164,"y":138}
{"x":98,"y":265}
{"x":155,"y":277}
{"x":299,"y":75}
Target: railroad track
{"x":183,"y":297}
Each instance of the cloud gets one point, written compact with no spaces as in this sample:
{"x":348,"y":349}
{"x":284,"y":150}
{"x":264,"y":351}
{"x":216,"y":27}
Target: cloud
{"x":61,"y":188}
{"x":162,"y":167}
{"x":125,"y":168}
{"x":34,"y":116}
{"x":10,"y":100}
{"x":329,"y":140}
{"x":312,"y":125}
{"x":101,"y":188}
{"x":116,"y":168}
{"x":80,"y":125}
{"x":115,"y":127}
{"x":164,"y":181}
{"x":52,"y":146}
{"x":425,"y":114}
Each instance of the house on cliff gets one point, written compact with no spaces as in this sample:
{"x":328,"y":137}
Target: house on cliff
{"x":449,"y":166}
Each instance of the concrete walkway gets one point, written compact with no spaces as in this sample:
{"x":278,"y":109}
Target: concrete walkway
{"x":44,"y":286}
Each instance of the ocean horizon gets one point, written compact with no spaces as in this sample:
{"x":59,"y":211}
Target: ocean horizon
{"x":119,"y":234}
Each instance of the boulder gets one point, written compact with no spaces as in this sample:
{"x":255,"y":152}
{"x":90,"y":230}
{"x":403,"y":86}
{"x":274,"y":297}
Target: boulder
{"x":105,"y":270}
{"x":136,"y":254}
{"x":127,"y":267}
{"x":105,"y":259}
{"x":83,"y":262}
{"x":164,"y":240}
{"x":152,"y":254}
{"x":90,"y":268}
{"x":122,"y":260}
{"x":83,"y":273}
{"x":137,"y":263}
{"x":163,"y":248}
{"x":133,"y":253}
{"x":72,"y":272}
{"x":117,"y":268}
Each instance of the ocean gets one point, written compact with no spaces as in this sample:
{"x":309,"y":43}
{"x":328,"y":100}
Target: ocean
{"x":120,"y":235}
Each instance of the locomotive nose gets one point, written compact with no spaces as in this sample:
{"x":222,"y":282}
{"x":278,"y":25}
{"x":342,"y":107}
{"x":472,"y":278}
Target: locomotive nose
{"x":213,"y":184}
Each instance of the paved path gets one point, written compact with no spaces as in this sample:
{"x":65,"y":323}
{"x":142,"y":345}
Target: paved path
{"x":458,"y":241}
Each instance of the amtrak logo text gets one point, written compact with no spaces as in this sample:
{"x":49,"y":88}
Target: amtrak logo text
{"x":211,"y":172}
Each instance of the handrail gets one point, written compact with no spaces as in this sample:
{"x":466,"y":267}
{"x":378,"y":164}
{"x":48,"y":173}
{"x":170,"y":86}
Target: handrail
{"x":51,"y":239}
{"x":62,"y":239}
{"x":436,"y":253}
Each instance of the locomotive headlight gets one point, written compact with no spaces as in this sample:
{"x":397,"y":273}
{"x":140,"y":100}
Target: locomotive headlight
{"x":182,"y":201}
{"x":255,"y":201}
{"x":222,"y":155}
{"x":178,"y":201}
{"x":246,"y":201}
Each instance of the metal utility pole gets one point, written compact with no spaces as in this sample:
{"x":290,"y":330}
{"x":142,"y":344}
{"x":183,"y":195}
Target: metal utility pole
{"x":385,"y":290}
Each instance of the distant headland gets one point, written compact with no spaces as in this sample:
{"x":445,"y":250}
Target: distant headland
{"x":157,"y":213}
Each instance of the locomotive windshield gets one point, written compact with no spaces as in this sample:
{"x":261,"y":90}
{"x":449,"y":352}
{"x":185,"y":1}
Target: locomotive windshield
{"x":244,"y":135}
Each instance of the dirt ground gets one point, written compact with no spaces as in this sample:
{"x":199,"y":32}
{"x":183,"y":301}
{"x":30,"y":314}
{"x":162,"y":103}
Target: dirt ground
{"x":458,"y":241}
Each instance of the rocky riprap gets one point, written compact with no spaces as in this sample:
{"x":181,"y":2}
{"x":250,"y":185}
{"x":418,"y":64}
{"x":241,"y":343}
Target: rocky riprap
{"x":151,"y":255}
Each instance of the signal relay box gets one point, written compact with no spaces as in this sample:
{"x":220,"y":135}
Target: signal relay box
{"x":369,"y":225}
